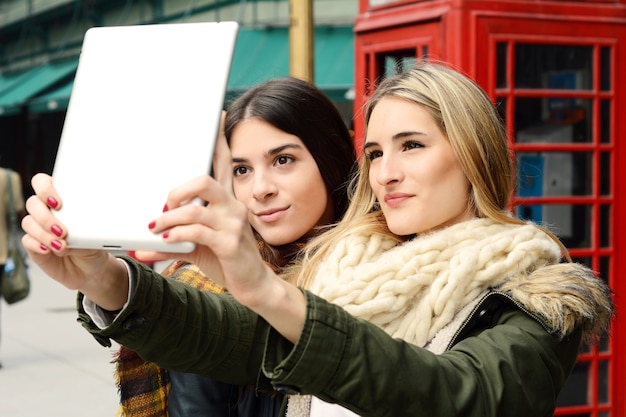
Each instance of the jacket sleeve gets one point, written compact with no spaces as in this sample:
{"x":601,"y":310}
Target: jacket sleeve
{"x":509,"y":368}
{"x":184,"y":329}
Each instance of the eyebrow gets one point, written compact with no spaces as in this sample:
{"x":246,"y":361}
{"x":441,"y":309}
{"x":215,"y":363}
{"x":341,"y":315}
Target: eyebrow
{"x":397,"y":136}
{"x":274,"y":151}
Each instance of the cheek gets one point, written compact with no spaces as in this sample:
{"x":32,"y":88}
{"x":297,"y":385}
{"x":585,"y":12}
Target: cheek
{"x":451,"y":195}
{"x":313,"y":201}
{"x":457,"y":179}
{"x":371,"y":176}
{"x":313,"y":207}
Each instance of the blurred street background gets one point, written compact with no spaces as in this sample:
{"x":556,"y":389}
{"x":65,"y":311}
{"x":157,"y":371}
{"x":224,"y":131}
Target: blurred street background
{"x":50,"y":366}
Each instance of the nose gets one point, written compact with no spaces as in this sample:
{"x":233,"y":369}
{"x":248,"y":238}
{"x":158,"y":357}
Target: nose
{"x":263,"y":187}
{"x":387,"y":170}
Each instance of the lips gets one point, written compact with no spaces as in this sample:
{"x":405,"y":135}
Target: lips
{"x":272,"y":215}
{"x":395,"y":199}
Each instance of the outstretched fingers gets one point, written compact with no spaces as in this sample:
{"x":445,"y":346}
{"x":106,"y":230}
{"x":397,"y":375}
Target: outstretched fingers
{"x":219,"y":228}
{"x":206,"y":192}
{"x":219,"y":224}
{"x":45,"y":191}
{"x":44,"y":231}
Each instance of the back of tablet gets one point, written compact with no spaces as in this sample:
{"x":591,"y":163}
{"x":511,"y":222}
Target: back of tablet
{"x":143,"y":117}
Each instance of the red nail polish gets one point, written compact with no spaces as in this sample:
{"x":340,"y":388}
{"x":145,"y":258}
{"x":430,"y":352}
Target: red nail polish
{"x":56,"y":230}
{"x":166,"y":235}
{"x":56,"y":244}
{"x":52,"y":202}
{"x":43,"y":247}
{"x":152,"y":225}
{"x":165,"y":208}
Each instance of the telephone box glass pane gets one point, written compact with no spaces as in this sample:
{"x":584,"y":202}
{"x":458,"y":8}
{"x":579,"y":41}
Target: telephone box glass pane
{"x":390,"y":63}
{"x":501,"y":58}
{"x":603,"y":378}
{"x":605,"y":68}
{"x":552,"y":120}
{"x":605,"y":225}
{"x":570,"y":222}
{"x":543,"y":174}
{"x":605,"y":121}
{"x":605,"y":173}
{"x":560,"y":67}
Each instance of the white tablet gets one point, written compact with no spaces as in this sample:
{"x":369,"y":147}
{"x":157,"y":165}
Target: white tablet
{"x":142,"y":119}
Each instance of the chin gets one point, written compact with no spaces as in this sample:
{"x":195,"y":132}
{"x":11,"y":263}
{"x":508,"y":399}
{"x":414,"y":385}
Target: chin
{"x":401,"y":229}
{"x":279,"y":239}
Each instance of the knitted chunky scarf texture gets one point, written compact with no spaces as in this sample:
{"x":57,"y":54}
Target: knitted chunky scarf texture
{"x":414,"y":289}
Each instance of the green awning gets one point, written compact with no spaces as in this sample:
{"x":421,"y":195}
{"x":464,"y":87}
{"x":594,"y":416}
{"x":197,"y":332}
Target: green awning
{"x":263,"y":54}
{"x":56,"y":100}
{"x":260,"y":55}
{"x":7,"y":82}
{"x":38,"y":80}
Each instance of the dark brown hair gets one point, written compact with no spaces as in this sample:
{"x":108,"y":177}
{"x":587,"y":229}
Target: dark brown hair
{"x":301,"y":109}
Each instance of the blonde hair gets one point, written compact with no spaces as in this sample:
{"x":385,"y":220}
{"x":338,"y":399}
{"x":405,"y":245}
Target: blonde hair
{"x":477,"y":135}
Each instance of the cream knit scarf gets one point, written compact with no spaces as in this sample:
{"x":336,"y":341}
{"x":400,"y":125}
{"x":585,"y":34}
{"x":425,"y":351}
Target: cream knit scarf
{"x":413,"y":290}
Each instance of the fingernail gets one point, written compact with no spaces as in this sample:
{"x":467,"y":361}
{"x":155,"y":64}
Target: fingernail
{"x":56,"y":244}
{"x":166,"y":235}
{"x":52,"y":202}
{"x":152,"y":225}
{"x":165,"y":208}
{"x":43,"y":247}
{"x":56,"y":230}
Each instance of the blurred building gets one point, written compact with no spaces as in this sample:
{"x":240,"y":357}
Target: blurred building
{"x":40,"y":44}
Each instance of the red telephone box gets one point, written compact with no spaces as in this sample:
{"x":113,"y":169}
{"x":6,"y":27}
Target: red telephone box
{"x":557,"y":72}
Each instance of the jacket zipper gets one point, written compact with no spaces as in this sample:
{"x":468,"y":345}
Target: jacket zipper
{"x":482,"y":302}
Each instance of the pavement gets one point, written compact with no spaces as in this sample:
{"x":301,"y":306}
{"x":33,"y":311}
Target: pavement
{"x":51,"y":366}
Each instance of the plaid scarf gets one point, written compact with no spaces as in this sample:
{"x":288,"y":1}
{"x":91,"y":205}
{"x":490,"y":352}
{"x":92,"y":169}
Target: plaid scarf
{"x":143,"y":386}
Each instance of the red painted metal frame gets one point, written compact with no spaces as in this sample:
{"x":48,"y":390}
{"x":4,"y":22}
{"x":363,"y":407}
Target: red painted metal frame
{"x":593,"y":358}
{"x":465,"y":34}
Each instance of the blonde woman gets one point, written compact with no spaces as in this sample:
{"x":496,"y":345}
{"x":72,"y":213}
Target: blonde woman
{"x":427,"y":299}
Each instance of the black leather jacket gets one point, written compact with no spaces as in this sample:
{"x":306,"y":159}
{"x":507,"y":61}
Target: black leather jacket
{"x":195,"y":395}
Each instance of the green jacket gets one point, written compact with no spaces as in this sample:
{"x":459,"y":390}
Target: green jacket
{"x":503,"y":361}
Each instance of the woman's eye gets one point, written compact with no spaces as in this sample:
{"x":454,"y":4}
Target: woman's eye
{"x":240,"y":170}
{"x":412,"y":145}
{"x":283,"y":160}
{"x":371,"y":155}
